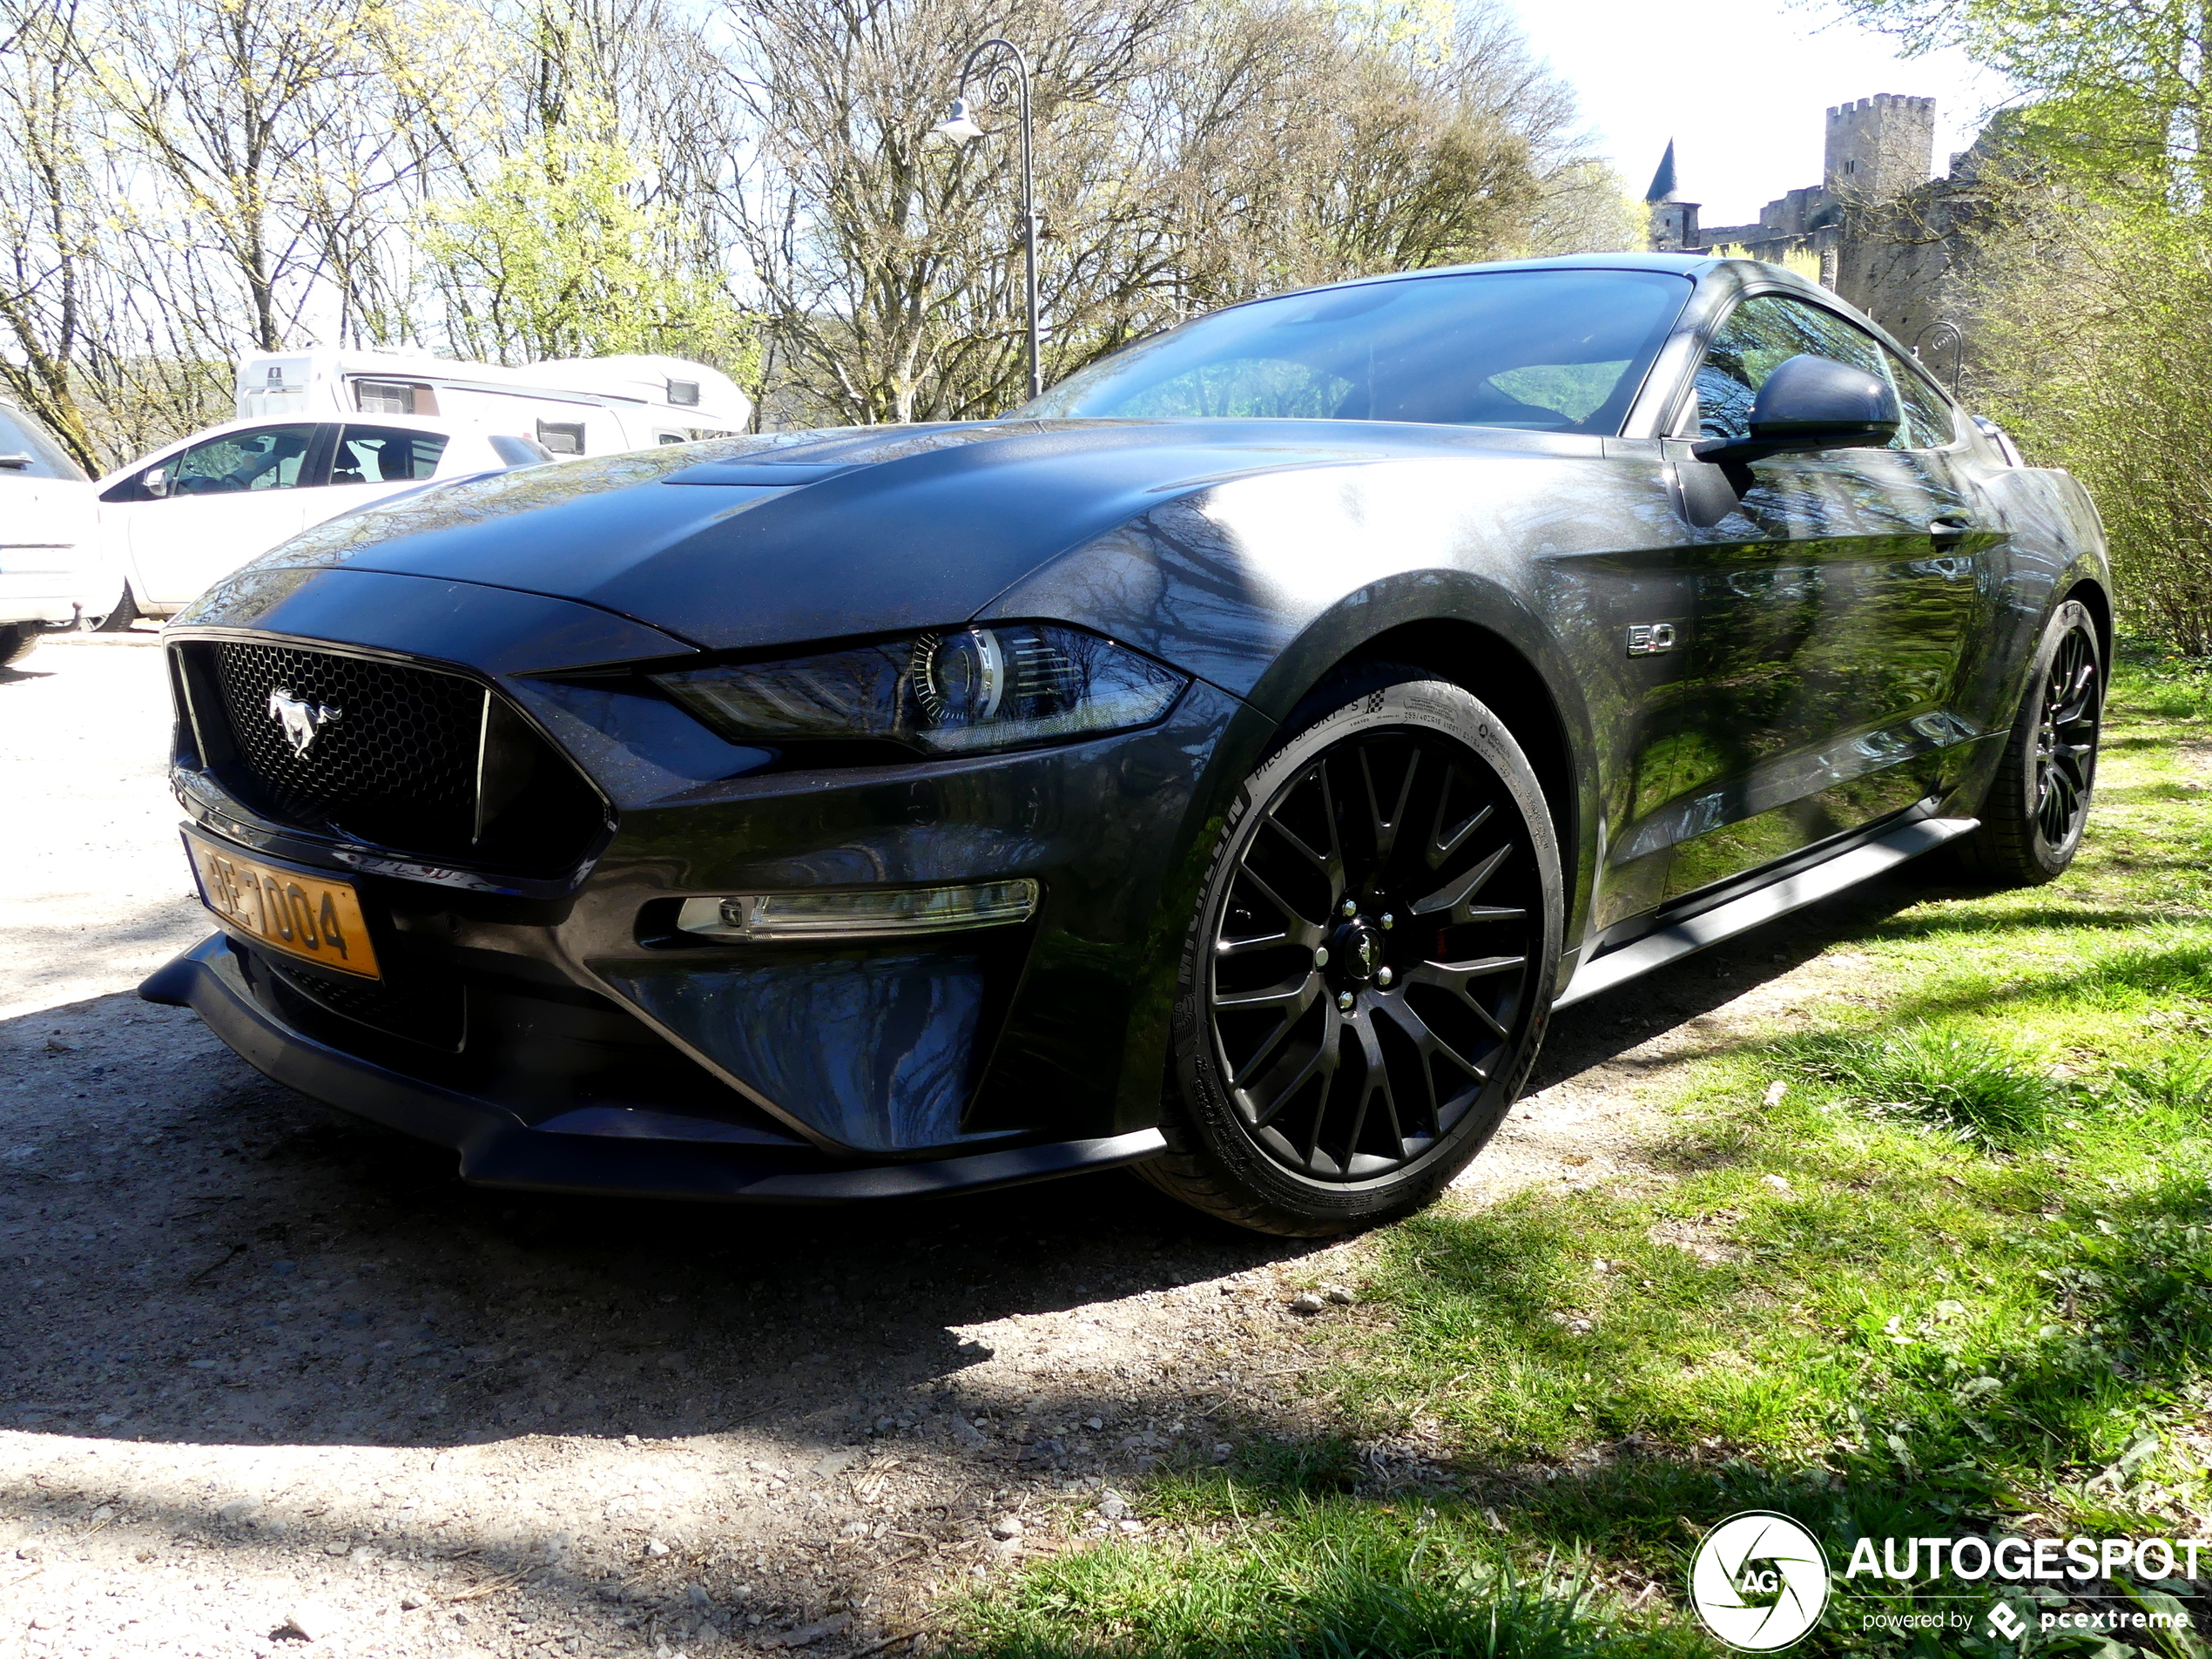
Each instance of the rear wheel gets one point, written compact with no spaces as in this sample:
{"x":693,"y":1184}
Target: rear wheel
{"x":15,"y":640}
{"x":1365,"y":982}
{"x":2038,"y":805}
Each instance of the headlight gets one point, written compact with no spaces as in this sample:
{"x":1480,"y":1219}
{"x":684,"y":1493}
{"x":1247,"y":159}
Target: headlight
{"x":952,"y":691}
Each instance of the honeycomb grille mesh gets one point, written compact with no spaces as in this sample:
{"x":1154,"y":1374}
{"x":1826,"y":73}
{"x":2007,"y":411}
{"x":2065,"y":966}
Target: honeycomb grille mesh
{"x":394,"y":761}
{"x":431,"y":1013}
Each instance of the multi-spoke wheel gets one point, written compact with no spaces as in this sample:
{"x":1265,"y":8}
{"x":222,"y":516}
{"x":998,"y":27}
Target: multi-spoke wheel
{"x":1366,"y":974}
{"x":2038,"y":804}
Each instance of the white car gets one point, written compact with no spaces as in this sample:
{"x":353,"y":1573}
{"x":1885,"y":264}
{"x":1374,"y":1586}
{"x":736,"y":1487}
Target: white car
{"x":182,"y":518}
{"x":50,"y":572}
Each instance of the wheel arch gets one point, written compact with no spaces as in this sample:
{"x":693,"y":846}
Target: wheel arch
{"x":1491,"y":665}
{"x":2091,"y":592}
{"x":1488,"y":667}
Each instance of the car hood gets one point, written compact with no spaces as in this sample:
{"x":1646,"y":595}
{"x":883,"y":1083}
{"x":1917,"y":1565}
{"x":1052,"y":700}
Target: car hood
{"x":773,"y":540}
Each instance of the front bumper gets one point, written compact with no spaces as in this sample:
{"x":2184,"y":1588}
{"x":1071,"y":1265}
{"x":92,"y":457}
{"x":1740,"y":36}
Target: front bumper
{"x":567,"y":1006}
{"x":497,"y":1147}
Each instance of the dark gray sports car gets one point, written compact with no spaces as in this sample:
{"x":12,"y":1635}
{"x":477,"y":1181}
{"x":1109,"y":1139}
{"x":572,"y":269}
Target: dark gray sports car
{"x":1221,"y":765}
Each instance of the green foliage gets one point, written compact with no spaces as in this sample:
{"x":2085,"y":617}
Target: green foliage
{"x":2092,"y":350}
{"x":554,"y":256}
{"x":2116,"y":99}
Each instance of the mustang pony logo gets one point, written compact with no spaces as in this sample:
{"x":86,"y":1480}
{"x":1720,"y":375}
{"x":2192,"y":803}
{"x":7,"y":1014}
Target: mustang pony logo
{"x":301,"y":719}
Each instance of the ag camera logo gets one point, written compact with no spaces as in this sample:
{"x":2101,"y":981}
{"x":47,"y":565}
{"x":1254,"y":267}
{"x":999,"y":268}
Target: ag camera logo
{"x":1759,"y":1581}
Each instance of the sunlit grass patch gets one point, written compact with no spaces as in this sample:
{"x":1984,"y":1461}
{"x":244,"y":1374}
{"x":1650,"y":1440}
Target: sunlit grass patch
{"x":1957,"y":1081}
{"x":1336,"y":1579}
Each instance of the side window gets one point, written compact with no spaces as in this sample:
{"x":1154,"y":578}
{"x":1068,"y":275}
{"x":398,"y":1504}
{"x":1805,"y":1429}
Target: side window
{"x":1759,"y":335}
{"x":383,"y":454}
{"x":1928,"y":422}
{"x":561,"y":437}
{"x":267,"y":458}
{"x":27,"y":452}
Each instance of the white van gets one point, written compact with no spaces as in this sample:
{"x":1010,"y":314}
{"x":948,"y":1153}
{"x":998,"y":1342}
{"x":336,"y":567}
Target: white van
{"x":585,"y":405}
{"x":321,"y":433}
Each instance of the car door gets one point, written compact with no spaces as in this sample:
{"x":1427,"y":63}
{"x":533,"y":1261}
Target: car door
{"x":1831,"y":604}
{"x":369,"y":463}
{"x":194,"y":516}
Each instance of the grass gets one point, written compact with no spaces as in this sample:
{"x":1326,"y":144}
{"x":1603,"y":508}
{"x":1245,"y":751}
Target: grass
{"x":1941,"y":1264}
{"x":1329,"y":1577}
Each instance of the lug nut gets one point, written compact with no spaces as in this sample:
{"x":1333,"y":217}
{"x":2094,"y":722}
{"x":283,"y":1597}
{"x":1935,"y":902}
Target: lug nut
{"x":1320,"y":956}
{"x":1383,"y":976}
{"x":1344,"y":1000}
{"x":1350,"y":906}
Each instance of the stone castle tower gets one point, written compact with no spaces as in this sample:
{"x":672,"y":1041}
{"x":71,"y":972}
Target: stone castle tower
{"x":1879,"y":147}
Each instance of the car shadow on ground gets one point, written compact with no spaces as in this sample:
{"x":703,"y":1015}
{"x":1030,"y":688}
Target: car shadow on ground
{"x":203,"y":1254}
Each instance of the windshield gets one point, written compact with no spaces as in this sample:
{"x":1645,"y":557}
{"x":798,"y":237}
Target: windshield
{"x":1542,"y":351}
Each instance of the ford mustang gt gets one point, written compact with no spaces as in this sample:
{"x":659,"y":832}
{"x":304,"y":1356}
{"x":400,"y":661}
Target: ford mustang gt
{"x":1221,"y":765}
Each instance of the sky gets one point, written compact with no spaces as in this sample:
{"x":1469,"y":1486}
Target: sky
{"x":1742,"y":86}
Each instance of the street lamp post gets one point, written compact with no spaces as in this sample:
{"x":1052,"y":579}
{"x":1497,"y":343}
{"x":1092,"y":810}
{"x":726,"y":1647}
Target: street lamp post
{"x":1006,"y":82}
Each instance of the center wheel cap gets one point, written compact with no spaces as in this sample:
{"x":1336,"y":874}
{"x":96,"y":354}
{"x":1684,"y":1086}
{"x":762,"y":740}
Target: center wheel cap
{"x":1357,"y":952}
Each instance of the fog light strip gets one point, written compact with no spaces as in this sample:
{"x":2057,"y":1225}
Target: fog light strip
{"x":869,"y":914}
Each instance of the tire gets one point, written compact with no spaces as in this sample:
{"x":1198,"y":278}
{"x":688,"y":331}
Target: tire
{"x":1329,"y":1072}
{"x":2038,"y":804}
{"x":124,"y":612}
{"x":17,"y":639}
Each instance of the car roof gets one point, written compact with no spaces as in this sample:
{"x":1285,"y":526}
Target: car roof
{"x":1696,"y":266}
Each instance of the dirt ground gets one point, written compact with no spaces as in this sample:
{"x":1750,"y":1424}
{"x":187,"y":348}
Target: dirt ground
{"x":273,"y":1384}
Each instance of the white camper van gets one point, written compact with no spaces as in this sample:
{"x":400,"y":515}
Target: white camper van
{"x":321,"y":433}
{"x":585,"y":405}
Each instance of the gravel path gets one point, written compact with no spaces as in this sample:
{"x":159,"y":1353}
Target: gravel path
{"x":270,"y":1383}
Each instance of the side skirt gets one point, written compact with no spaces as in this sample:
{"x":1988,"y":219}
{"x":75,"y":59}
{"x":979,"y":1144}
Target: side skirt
{"x":1761,"y":905}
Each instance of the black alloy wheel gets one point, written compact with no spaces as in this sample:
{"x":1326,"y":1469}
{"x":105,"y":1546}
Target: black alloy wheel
{"x":2038,"y":807}
{"x":1364,"y":989}
{"x":2065,"y":738}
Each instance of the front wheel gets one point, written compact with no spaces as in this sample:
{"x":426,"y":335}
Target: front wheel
{"x":119,"y":617}
{"x":2039,"y":805}
{"x":1366,"y":980}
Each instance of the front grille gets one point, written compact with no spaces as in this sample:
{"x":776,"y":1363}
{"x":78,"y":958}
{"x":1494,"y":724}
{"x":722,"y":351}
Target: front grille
{"x":397,"y":761}
{"x":394,"y":756}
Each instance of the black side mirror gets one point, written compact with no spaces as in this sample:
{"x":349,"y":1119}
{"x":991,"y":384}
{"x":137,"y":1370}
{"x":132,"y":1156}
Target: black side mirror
{"x":1811,"y":402}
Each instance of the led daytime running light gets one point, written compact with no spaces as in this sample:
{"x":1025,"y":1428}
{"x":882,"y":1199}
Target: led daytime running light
{"x":873,"y":913}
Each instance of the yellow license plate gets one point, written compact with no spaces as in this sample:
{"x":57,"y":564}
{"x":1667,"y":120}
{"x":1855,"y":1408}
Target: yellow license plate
{"x":316,"y":920}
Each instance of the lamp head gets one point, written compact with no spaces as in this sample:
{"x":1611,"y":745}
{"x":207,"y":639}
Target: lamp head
{"x":958,"y":126}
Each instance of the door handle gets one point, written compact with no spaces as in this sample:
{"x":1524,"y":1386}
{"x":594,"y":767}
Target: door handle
{"x":1949,"y":532}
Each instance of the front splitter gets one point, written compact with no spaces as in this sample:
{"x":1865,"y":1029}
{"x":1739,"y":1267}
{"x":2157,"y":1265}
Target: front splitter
{"x":498,"y":1150}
